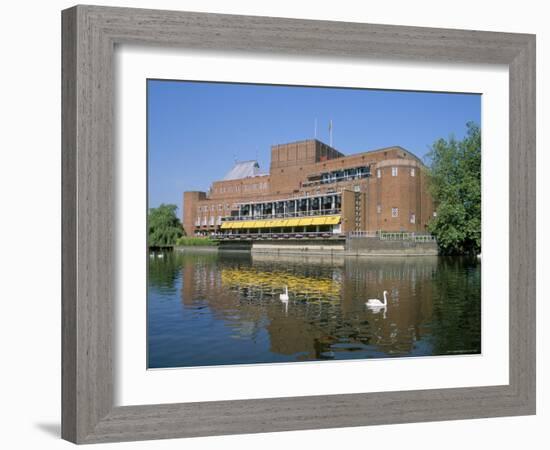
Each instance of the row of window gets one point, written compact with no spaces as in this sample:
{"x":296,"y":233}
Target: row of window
{"x":395,"y":213}
{"x":345,"y":174}
{"x":224,"y":189}
{"x":394,"y":172}
{"x":218,"y":219}
{"x":212,"y":208}
{"x":208,"y":221}
{"x":255,"y":186}
{"x":245,"y":187}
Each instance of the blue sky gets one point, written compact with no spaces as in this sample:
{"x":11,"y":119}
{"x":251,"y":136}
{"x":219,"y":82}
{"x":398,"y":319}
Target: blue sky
{"x":196,"y":130}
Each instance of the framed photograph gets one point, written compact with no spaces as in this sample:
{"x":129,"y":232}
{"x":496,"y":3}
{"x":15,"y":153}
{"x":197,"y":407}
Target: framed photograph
{"x":278,"y":224}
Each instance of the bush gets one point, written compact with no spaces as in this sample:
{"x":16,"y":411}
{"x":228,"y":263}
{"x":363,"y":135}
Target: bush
{"x":186,"y":241}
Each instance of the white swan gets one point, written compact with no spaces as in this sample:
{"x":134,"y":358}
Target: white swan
{"x":284,"y":297}
{"x":374,"y":302}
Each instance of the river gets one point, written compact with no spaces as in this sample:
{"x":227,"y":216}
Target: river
{"x":208,"y":309}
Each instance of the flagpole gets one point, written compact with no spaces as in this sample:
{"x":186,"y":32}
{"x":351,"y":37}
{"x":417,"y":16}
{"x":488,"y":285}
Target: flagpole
{"x":315,"y":129}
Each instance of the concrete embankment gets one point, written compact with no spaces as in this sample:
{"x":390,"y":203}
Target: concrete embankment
{"x":300,"y":247}
{"x":335,"y":247}
{"x":373,"y":246}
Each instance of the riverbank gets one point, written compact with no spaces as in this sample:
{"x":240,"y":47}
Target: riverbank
{"x":196,"y":248}
{"x":195,"y":241}
{"x":356,"y":247}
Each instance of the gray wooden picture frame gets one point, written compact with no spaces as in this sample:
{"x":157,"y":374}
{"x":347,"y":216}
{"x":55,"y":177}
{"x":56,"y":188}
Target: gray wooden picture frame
{"x":90,"y":34}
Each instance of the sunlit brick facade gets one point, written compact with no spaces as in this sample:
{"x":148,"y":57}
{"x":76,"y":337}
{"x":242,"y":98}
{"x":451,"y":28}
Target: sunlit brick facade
{"x":312,"y":187}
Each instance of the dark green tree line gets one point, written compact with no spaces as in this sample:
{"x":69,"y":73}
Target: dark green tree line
{"x":455,"y":184}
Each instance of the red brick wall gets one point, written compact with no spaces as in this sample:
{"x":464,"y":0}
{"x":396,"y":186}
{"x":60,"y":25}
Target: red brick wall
{"x":291,"y":165}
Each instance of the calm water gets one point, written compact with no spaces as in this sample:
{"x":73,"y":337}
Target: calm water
{"x":210,"y":309}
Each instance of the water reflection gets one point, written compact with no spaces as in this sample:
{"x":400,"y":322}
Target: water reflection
{"x":210,"y":309}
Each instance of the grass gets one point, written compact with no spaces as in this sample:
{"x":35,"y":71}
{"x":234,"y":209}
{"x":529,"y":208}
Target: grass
{"x":187,"y":241}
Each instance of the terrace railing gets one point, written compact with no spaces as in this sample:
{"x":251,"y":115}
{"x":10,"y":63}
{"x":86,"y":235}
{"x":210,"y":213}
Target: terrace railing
{"x":275,"y":236}
{"x":287,"y":215}
{"x":393,"y":236}
{"x":339,"y":179}
{"x":362,"y":234}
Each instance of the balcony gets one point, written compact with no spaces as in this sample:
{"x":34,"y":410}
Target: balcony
{"x":338,"y":176}
{"x":286,"y":215}
{"x":305,"y":235}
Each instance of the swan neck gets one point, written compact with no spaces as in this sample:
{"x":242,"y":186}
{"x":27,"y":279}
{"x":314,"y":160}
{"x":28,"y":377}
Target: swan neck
{"x":385,"y":299}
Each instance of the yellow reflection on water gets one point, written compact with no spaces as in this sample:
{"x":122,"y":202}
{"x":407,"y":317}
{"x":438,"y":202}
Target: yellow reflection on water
{"x":308,"y":288}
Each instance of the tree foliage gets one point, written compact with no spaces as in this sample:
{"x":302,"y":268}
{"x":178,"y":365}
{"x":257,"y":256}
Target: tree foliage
{"x":164,"y":226}
{"x":455,"y":185}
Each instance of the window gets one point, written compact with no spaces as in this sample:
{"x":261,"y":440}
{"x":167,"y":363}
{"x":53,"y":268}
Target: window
{"x":378,"y":209}
{"x":395,"y":212}
{"x":413,"y":218}
{"x":357,"y":188}
{"x":378,"y":173}
{"x":412,"y":172}
{"x":394,"y":171}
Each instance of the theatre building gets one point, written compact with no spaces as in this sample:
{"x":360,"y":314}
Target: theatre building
{"x":311,"y":189}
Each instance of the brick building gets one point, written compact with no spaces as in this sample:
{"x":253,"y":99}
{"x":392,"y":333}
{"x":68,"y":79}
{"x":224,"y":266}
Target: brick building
{"x":312,"y":187}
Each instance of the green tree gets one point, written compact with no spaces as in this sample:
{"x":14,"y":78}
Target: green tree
{"x":164,"y":226}
{"x":455,"y":185}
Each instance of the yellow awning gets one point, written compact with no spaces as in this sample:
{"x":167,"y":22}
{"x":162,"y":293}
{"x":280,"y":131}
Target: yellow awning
{"x":292,"y":222}
{"x":278,"y":223}
{"x":318,"y":221}
{"x":332,"y":220}
{"x":271,"y":223}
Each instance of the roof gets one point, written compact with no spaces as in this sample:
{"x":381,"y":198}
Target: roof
{"x":243,"y":169}
{"x":393,"y":147}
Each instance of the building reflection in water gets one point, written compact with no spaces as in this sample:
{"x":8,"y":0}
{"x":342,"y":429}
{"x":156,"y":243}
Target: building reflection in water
{"x":433,"y":308}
